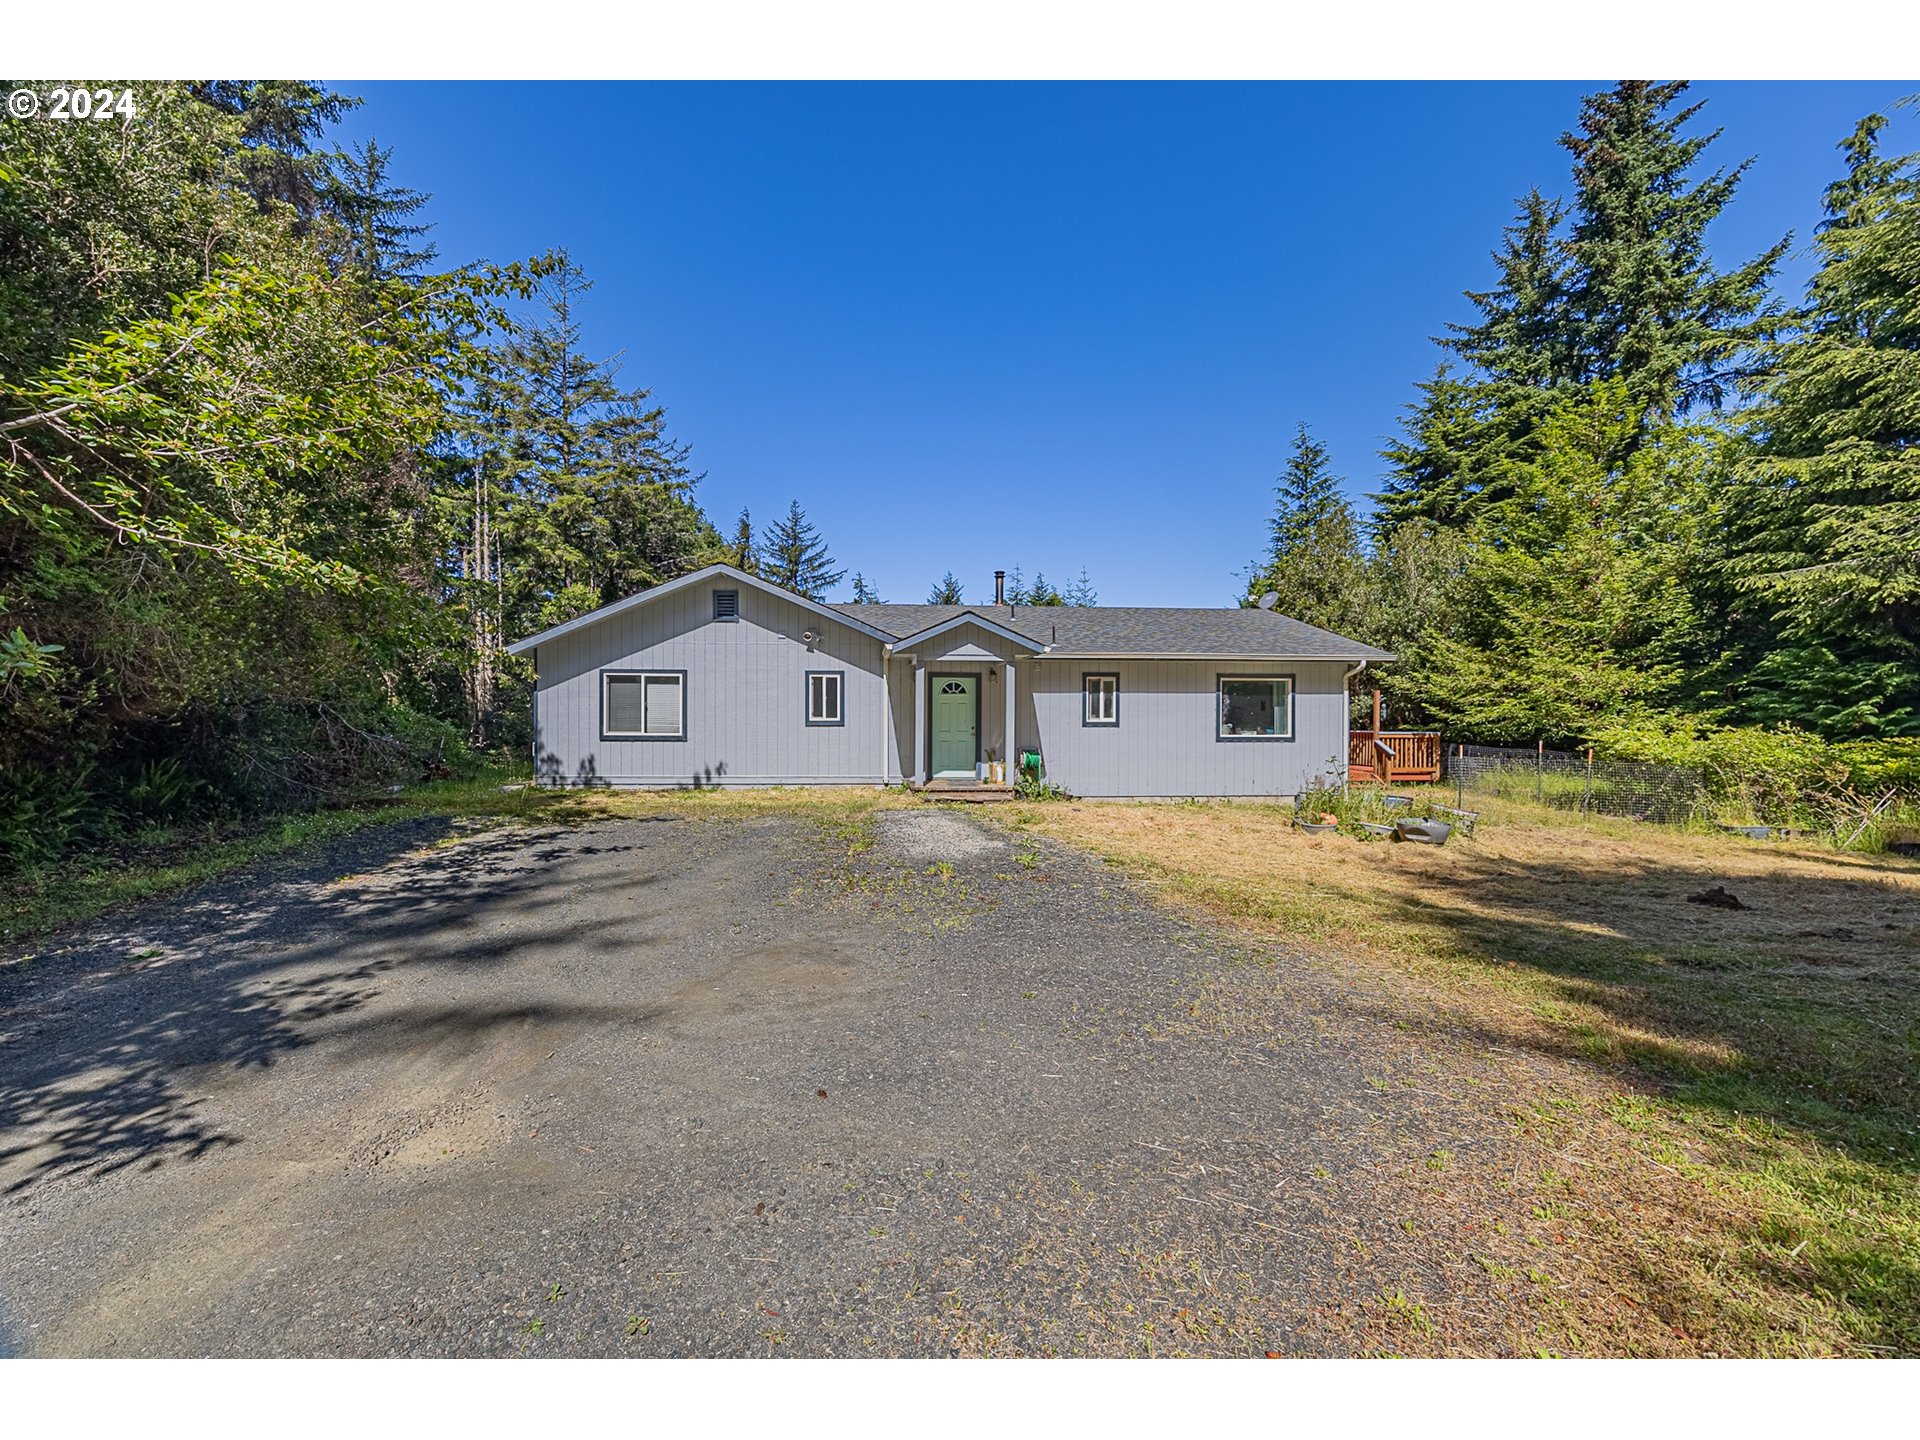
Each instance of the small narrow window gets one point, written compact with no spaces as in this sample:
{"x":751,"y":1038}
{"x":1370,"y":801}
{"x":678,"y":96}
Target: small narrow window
{"x":825,"y":697}
{"x":1256,"y":707}
{"x":644,"y":705}
{"x":726,"y":604}
{"x":1101,"y":704}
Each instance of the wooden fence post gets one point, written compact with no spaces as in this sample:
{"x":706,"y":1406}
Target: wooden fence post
{"x":1586,"y":800}
{"x":1540,"y":771}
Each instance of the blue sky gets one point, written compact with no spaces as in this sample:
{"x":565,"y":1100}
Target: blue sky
{"x":983,"y":326}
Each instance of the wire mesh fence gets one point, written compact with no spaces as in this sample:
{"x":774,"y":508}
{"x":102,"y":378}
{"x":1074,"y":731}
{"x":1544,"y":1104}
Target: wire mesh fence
{"x":1566,"y":780}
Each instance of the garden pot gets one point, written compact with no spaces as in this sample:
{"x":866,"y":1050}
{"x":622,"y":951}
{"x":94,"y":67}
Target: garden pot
{"x":1317,"y":827}
{"x":1422,"y":832}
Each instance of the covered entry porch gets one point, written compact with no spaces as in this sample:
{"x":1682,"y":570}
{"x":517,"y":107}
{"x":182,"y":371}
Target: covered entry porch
{"x":966,"y":711}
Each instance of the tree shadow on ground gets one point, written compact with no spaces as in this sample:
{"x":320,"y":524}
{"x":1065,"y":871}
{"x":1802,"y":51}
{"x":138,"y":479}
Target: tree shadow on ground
{"x":101,"y":1042}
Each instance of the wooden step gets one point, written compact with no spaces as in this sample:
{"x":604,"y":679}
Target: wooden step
{"x":967,"y":792}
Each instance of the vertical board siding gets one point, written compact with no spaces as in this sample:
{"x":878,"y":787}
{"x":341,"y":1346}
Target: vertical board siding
{"x":1165,"y":742}
{"x":746,"y":697}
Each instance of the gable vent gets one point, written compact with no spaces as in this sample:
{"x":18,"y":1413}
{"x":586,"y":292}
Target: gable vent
{"x":726,"y":604}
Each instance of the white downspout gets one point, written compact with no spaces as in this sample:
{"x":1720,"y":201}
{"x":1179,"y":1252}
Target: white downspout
{"x":886,"y":713}
{"x":1346,"y":760}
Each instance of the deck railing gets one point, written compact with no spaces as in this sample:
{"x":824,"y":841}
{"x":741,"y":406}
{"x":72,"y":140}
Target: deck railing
{"x":1392,"y":755}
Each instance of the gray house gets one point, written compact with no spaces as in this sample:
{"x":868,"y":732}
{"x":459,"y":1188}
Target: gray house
{"x":721,"y":678}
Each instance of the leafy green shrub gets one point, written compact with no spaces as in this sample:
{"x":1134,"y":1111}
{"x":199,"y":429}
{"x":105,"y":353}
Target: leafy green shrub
{"x":1877,"y":764}
{"x":1748,"y":774}
{"x":44,"y":812}
{"x":164,"y":790}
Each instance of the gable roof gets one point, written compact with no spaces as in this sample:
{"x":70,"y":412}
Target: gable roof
{"x":1074,"y":631}
{"x":1128,"y":630}
{"x":685,"y":582}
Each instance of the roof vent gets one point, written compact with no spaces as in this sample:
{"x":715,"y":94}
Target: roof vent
{"x":726,"y":604}
{"x":999,"y":587}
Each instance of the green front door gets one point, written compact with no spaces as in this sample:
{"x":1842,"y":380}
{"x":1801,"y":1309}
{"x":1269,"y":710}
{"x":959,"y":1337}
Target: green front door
{"x":955,"y":717}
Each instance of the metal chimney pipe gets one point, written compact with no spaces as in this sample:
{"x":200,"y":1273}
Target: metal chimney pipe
{"x":999,"y":587}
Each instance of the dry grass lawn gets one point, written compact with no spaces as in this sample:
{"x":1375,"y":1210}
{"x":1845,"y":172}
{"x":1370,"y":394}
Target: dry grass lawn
{"x":1728,"y":1165}
{"x":1726,"y":1160}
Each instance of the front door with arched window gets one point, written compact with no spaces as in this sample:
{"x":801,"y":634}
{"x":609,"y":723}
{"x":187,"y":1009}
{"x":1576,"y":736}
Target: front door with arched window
{"x":956,"y":725}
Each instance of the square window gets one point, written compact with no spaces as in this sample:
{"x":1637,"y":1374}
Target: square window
{"x":826,"y":697}
{"x":1100,"y":700}
{"x":644,"y":705}
{"x":1256,"y":707}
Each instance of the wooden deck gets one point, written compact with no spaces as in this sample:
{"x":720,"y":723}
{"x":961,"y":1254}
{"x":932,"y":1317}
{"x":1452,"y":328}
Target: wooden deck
{"x":1393,"y":755}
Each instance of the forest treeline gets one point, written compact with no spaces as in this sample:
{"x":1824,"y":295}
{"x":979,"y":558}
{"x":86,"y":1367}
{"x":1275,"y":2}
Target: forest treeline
{"x":277,"y":487}
{"x":1645,"y":500}
{"x":278,"y":484}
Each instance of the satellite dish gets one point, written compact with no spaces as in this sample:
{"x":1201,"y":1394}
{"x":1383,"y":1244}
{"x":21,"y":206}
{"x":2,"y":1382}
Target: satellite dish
{"x":1268,"y":600}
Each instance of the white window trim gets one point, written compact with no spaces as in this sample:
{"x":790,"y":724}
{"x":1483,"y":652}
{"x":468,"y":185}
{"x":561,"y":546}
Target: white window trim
{"x":839,"y":715}
{"x":607,"y":732}
{"x":1108,"y":687}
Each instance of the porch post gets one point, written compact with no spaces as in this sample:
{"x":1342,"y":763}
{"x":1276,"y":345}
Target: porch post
{"x":1007,"y":742}
{"x":886,"y":715}
{"x":919,"y":720}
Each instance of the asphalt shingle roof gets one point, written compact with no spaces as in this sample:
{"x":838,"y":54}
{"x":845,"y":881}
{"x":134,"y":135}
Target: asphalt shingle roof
{"x":1131,"y":629}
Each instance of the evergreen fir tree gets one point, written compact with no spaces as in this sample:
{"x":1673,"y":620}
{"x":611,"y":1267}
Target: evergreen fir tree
{"x":947,"y":592}
{"x":1081,"y":591}
{"x":1522,"y":340}
{"x":1582,"y":615}
{"x":1042,"y":593}
{"x":1828,"y":523}
{"x":1314,"y":562}
{"x":794,"y":555}
{"x":743,"y":554}
{"x":863,"y":593}
{"x":1619,"y":286}
{"x":281,"y":121}
{"x":607,"y":495}
{"x":1646,"y":304}
{"x":373,"y":213}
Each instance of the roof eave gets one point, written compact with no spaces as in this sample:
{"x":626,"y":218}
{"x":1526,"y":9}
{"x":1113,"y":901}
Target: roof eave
{"x":971,"y":617}
{"x":1371,"y":657}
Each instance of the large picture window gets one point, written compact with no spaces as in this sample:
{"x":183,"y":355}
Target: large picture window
{"x":1256,"y":707}
{"x":643,"y":704}
{"x":826,"y":697}
{"x":1100,"y":700}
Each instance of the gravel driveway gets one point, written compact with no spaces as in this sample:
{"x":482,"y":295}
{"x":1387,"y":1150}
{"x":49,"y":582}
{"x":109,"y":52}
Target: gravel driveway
{"x":700,"y":1086}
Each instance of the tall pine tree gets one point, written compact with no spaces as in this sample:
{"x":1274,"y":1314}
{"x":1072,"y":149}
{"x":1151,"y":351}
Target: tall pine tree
{"x":793,"y":554}
{"x":606,"y":496}
{"x":378,"y":235}
{"x":1829,"y":519}
{"x":1314,"y":562}
{"x":1617,"y":286}
{"x":1646,"y":304}
{"x":947,"y":592}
